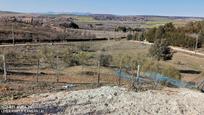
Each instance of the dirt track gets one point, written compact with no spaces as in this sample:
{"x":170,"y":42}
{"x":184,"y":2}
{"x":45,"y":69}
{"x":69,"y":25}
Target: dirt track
{"x":178,"y":49}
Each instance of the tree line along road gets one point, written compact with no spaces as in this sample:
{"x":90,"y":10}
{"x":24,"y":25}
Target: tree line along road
{"x":178,"y":49}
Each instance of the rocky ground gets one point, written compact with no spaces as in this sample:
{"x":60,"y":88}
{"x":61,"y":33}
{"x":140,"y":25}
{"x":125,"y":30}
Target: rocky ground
{"x":114,"y":100}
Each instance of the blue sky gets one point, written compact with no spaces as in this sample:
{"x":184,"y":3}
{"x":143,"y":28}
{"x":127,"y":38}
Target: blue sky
{"x":119,"y":7}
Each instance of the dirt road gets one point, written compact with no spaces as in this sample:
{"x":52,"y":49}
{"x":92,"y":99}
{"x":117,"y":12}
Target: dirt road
{"x":178,"y":49}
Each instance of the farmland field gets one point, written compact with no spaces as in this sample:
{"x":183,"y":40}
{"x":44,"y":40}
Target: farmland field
{"x":23,"y":76}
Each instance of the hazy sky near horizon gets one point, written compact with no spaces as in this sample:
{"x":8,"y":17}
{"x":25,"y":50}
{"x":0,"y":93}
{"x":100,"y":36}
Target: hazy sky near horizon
{"x":119,"y":7}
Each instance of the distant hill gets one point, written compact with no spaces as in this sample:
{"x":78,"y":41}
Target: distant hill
{"x":10,"y":13}
{"x":106,"y":16}
{"x":140,"y":17}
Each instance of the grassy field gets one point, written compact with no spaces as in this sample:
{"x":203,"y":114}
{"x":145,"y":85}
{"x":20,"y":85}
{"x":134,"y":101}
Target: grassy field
{"x":23,"y":76}
{"x":149,"y":23}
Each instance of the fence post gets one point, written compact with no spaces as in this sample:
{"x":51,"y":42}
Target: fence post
{"x":196,"y":45}
{"x":99,"y":72}
{"x":133,"y":78}
{"x":119,"y":79}
{"x":138,"y":72}
{"x":38,"y":67}
{"x":5,"y":72}
{"x":57,"y":66}
{"x":13,"y":37}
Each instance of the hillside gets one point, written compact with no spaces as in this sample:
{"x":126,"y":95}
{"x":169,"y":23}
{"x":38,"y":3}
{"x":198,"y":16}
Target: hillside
{"x":101,"y":57}
{"x":107,"y":21}
{"x":140,"y":17}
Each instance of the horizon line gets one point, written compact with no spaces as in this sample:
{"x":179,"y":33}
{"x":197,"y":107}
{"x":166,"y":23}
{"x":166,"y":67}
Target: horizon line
{"x":89,"y":13}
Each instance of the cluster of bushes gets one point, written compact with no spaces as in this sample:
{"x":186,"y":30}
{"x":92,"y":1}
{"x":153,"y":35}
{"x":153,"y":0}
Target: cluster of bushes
{"x":130,"y":63}
{"x":69,"y":25}
{"x":174,"y":36}
{"x":72,"y":56}
{"x":160,"y":50}
{"x":137,"y":36}
{"x":105,"y":59}
{"x":192,"y":27}
{"x":166,"y":70}
{"x":66,"y":56}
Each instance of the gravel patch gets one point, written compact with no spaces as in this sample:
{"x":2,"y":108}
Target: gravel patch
{"x":120,"y":101}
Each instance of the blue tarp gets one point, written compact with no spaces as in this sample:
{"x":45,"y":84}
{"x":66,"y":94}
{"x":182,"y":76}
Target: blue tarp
{"x":157,"y":77}
{"x":161,"y":78}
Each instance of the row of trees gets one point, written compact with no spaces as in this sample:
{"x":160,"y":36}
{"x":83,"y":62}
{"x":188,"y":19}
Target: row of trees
{"x":192,"y":27}
{"x":26,"y":36}
{"x":23,"y":33}
{"x":139,"y":36}
{"x":128,"y":29}
{"x":174,"y":36}
{"x":189,"y":36}
{"x":58,"y":58}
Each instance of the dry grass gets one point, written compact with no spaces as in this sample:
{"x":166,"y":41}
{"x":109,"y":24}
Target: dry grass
{"x":105,"y":34}
{"x":183,"y":61}
{"x":4,"y":88}
{"x":86,"y":76}
{"x":76,"y":74}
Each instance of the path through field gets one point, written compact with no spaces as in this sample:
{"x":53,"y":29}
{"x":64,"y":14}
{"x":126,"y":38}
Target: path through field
{"x":178,"y":49}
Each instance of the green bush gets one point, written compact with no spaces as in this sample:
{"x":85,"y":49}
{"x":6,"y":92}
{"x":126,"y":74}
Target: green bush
{"x":141,"y":37}
{"x":160,"y":50}
{"x":201,"y":38}
{"x":151,"y":65}
{"x":176,"y":36}
{"x":70,"y":25}
{"x":130,"y":37}
{"x":171,"y":72}
{"x":105,"y":59}
{"x":121,"y":28}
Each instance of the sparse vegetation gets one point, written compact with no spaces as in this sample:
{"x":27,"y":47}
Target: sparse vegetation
{"x":171,"y":72}
{"x":160,"y":50}
{"x":151,"y":66}
{"x":105,"y":59}
{"x":89,"y":62}
{"x":174,"y":36}
{"x":70,"y":25}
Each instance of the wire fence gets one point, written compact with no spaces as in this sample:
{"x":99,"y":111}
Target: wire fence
{"x":81,"y":64}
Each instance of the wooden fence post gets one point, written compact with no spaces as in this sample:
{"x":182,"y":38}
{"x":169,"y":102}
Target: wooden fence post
{"x":4,"y":64}
{"x":119,"y":77}
{"x":13,"y":37}
{"x":57,"y":66}
{"x":138,"y":72}
{"x":99,"y":72}
{"x":38,"y":67}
